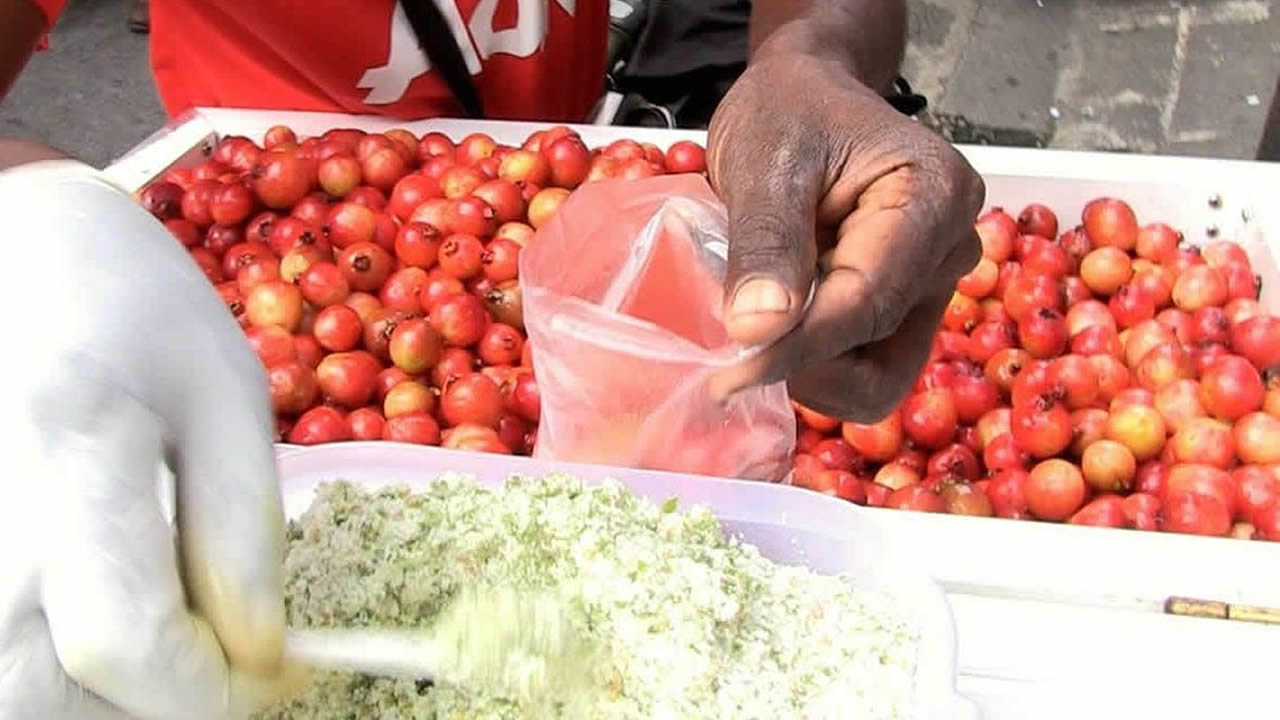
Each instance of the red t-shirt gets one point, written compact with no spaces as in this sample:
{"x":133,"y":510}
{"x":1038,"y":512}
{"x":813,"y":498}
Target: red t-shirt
{"x":530,"y":59}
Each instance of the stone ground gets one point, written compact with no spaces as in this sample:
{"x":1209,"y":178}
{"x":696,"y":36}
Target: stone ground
{"x":1192,"y":77}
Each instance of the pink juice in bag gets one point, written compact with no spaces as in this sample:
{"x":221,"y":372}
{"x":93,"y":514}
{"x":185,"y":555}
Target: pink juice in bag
{"x":622,"y":301}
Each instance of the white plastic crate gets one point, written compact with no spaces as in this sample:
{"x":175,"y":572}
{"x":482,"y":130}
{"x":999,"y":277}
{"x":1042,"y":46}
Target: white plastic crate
{"x":1051,"y":619}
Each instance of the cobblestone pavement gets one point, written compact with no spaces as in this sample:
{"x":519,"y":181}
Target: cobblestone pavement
{"x":1194,"y":77}
{"x":1131,"y":75}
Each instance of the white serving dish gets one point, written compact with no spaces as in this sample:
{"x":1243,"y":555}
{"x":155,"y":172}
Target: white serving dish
{"x":1050,"y":618}
{"x":762,"y":514}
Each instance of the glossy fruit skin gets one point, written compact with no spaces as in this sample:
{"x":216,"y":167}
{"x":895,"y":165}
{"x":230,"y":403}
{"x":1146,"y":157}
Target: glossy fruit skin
{"x":1103,"y":511}
{"x":349,"y":378}
{"x":279,"y":179}
{"x":416,"y":428}
{"x":1257,"y":339}
{"x":292,"y":386}
{"x":1042,"y":427}
{"x":366,"y":424}
{"x":460,"y":319}
{"x":1109,"y":466}
{"x":321,"y":424}
{"x":929,"y":418}
{"x":918,"y":498}
{"x":365,"y":265}
{"x":1193,"y":513}
{"x":1109,"y":222}
{"x":1055,"y":489}
{"x":472,"y":399}
{"x":337,"y":328}
{"x":877,"y":442}
{"x":1231,"y":388}
{"x":1139,"y":428}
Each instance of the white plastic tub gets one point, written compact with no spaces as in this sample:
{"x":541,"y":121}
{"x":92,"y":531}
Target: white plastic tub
{"x":789,"y":525}
{"x":1053,"y":621}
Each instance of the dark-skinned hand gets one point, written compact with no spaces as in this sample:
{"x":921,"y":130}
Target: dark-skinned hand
{"x":824,"y":179}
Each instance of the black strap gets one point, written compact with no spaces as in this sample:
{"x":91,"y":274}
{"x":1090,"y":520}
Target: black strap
{"x":437,"y":41}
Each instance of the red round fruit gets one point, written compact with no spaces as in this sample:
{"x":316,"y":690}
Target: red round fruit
{"x":1145,"y":337}
{"x":472,"y":399}
{"x":500,"y":260}
{"x":1106,"y":269}
{"x":338,"y":174}
{"x":278,"y":135}
{"x":1256,"y":437}
{"x":524,"y":166}
{"x":1109,"y":466}
{"x":955,"y":460}
{"x":1041,"y":428}
{"x":1189,"y":512}
{"x":323,"y":284}
{"x":1007,"y":491}
{"x":1002,"y":453}
{"x":521,"y":396}
{"x":1130,"y":306}
{"x":163,"y":199}
{"x":349,"y":223}
{"x":1164,"y":364}
{"x":917,"y":498}
{"x":231,"y":204}
{"x":280,"y":179}
{"x":417,"y":245}
{"x":1231,"y":388}
{"x":1201,"y":480}
{"x":319,"y":425}
{"x":366,"y":424}
{"x":1036,"y":219}
{"x":383,"y":168}
{"x":569,"y":161}
{"x":407,"y":398}
{"x":1004,"y":367}
{"x":500,"y":345}
{"x":337,"y":328}
{"x":1055,"y":489}
{"x":1157,"y":242}
{"x":1110,"y":222}
{"x":929,"y":418}
{"x":1198,"y":287}
{"x":1077,"y":378}
{"x":1257,"y":339}
{"x":273,"y":345}
{"x":1139,"y":428}
{"x":877,"y":442}
{"x":1256,"y":488}
{"x":1028,"y":292}
{"x":370,"y":198}
{"x":475,"y":438}
{"x":438,"y":287}
{"x":454,"y":363}
{"x":460,"y":319}
{"x":1266,"y":523}
{"x":403,"y":289}
{"x":686,"y":156}
{"x":292,"y":386}
{"x":461,"y":256}
{"x":417,"y":428}
{"x":1241,"y":281}
{"x":349,"y":378}
{"x":274,"y":302}
{"x":1179,"y":403}
{"x":415,"y":346}
{"x":997,"y":231}
{"x":1045,"y":257}
{"x":506,"y":304}
{"x":1142,"y":511}
{"x":365,"y":265}
{"x":1088,"y":426}
{"x":543,"y":206}
{"x":1104,"y":511}
{"x":895,"y":476}
{"x":1113,"y":376}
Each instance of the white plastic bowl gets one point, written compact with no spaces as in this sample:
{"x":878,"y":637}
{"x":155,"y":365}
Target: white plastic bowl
{"x":789,"y":525}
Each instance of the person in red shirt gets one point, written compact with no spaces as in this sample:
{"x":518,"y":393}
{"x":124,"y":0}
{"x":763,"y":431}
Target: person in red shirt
{"x":808,"y":157}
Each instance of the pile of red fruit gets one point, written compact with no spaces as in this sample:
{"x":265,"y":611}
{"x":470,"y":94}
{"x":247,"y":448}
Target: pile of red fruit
{"x":375,"y":274}
{"x":1111,"y":376}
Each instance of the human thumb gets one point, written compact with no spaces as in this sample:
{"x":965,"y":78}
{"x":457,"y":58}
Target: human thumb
{"x":772,"y":251}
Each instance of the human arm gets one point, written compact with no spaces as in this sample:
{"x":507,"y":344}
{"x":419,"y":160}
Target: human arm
{"x":813,"y":163}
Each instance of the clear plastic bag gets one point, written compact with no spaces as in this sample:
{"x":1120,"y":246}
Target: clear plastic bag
{"x":622,"y":301}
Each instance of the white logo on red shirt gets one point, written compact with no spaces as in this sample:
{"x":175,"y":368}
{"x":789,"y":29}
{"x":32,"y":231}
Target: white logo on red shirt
{"x":406,"y":61}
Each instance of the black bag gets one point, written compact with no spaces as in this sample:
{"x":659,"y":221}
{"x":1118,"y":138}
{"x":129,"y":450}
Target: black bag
{"x":673,"y":60}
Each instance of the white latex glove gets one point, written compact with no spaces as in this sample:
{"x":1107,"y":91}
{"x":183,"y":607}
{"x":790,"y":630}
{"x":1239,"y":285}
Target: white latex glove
{"x":122,"y":358}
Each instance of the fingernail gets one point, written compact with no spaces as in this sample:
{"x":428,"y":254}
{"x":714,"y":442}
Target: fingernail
{"x":761,"y":295}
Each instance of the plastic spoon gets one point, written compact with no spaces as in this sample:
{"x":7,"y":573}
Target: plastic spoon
{"x":518,"y":645}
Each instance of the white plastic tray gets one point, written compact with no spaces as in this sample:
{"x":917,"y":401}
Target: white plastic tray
{"x":1051,"y":618}
{"x":789,"y":525}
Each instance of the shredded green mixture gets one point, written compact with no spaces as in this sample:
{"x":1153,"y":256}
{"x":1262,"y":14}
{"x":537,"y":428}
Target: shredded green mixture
{"x":687,"y":622}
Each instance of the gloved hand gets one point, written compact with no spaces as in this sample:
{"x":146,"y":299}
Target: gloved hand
{"x":121,"y":359}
